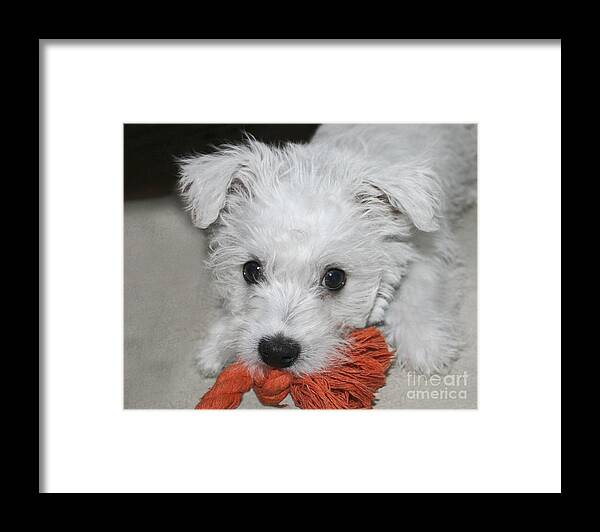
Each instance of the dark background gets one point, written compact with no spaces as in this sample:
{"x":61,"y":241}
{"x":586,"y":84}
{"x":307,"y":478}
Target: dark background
{"x":150,"y":149}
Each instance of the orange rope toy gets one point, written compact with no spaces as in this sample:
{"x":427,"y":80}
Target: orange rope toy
{"x":350,"y":384}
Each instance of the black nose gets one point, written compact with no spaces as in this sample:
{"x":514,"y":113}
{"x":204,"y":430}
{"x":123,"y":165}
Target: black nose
{"x":278,"y":351}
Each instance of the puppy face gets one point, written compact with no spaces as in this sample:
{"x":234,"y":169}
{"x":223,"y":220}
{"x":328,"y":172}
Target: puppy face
{"x":305,"y":244}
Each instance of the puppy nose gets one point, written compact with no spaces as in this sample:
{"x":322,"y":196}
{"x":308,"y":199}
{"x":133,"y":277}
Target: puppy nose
{"x":278,"y":351}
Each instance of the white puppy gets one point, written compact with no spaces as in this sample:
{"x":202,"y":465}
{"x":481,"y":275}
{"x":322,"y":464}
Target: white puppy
{"x":310,"y":241}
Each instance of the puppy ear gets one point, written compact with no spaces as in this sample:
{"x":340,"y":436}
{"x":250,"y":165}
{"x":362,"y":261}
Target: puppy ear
{"x":413,"y":190}
{"x":205,"y":181}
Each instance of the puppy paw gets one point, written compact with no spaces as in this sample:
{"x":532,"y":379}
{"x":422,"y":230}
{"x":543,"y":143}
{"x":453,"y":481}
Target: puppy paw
{"x":427,"y":353}
{"x":209,"y":363}
{"x":208,"y":369}
{"x":429,"y":360}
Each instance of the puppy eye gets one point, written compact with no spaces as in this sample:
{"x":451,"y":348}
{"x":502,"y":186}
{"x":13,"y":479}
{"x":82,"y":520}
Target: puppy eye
{"x":253,"y":272}
{"x":334,"y":279}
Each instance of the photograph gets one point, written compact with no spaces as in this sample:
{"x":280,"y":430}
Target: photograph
{"x":315,"y":266}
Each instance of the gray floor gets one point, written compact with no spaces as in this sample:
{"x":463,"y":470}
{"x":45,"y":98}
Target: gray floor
{"x":167,"y":310}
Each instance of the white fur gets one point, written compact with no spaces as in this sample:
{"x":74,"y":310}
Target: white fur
{"x":376,"y":201}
